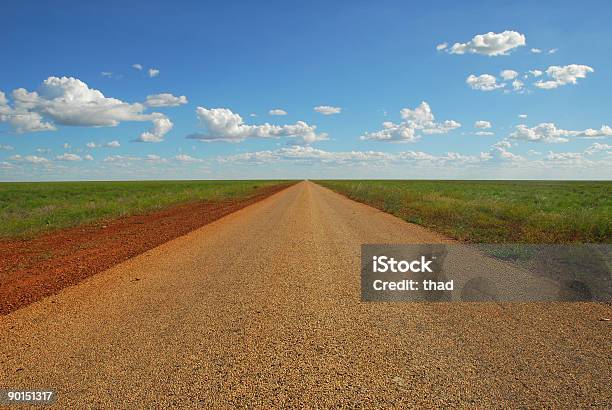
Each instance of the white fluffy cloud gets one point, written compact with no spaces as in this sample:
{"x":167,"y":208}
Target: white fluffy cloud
{"x":566,"y":158}
{"x":221,"y":124}
{"x":536,"y":73}
{"x":559,"y":76}
{"x":165,"y":100}
{"x":548,"y":132}
{"x":327,"y":109}
{"x":544,"y":132}
{"x":277,"y":111}
{"x":120,"y":158}
{"x":522,"y":116}
{"x":500,"y":151}
{"x":111,"y":144}
{"x":160,"y":128}
{"x":308,"y":155}
{"x":68,"y":157}
{"x":155,"y":158}
{"x":70,"y":101}
{"x":484,"y":82}
{"x":483,"y":125}
{"x":88,"y":157}
{"x":153,"y":72}
{"x":536,"y":50}
{"x":490,"y":44}
{"x":441,"y":46}
{"x":21,"y":119}
{"x":187,"y":158}
{"x":508,"y":74}
{"x":137,"y":66}
{"x":597,"y":147}
{"x":518,"y":85}
{"x":420,"y":119}
{"x":33,"y":159}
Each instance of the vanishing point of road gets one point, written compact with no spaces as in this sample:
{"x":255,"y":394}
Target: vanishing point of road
{"x":262,"y":309}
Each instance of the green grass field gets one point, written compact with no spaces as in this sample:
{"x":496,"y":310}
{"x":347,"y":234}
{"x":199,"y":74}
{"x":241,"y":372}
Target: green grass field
{"x":28,"y":209}
{"x":495,"y":211}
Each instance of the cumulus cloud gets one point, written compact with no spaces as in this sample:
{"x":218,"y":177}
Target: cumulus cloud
{"x":308,"y":155}
{"x":578,"y":158}
{"x":508,"y":74}
{"x":420,"y":119}
{"x":490,"y":44}
{"x":111,"y":144}
{"x":597,"y":147}
{"x":553,"y":50}
{"x":536,"y":73}
{"x":484,"y":82}
{"x":559,"y":76}
{"x":69,"y":101}
{"x":483,"y":125}
{"x":221,"y":124}
{"x":160,"y":128}
{"x":548,"y":132}
{"x":88,"y":157}
{"x":441,"y":46}
{"x":155,"y":158}
{"x":187,"y":158}
{"x":277,"y":111}
{"x":544,"y":132}
{"x":517,"y":85}
{"x":567,"y":158}
{"x":120,"y":158}
{"x":24,"y":121}
{"x":536,"y":50}
{"x":522,"y":116}
{"x":500,"y":151}
{"x":327,"y":109}
{"x":33,"y":159}
{"x":137,"y":66}
{"x":165,"y":100}
{"x":68,"y":157}
{"x":153,"y":72}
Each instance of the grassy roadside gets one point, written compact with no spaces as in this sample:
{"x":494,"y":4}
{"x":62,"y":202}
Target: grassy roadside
{"x":495,"y":211}
{"x":28,"y":209}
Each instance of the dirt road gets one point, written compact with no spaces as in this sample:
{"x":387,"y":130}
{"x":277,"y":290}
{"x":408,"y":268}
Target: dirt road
{"x":262,"y":308}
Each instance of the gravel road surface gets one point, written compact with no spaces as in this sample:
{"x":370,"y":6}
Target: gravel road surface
{"x":262,"y":309}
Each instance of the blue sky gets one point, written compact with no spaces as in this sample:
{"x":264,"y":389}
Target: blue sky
{"x":364,"y":63}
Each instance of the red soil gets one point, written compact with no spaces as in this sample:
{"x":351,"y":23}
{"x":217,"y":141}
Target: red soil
{"x":35,"y":268}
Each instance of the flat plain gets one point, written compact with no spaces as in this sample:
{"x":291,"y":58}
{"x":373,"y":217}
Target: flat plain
{"x":494,"y":211}
{"x":29,"y":209}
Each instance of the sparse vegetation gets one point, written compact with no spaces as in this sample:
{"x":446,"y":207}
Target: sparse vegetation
{"x":28,"y":209}
{"x":495,"y":211}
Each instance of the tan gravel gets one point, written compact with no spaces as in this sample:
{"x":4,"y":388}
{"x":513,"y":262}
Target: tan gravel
{"x":262,"y":309}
